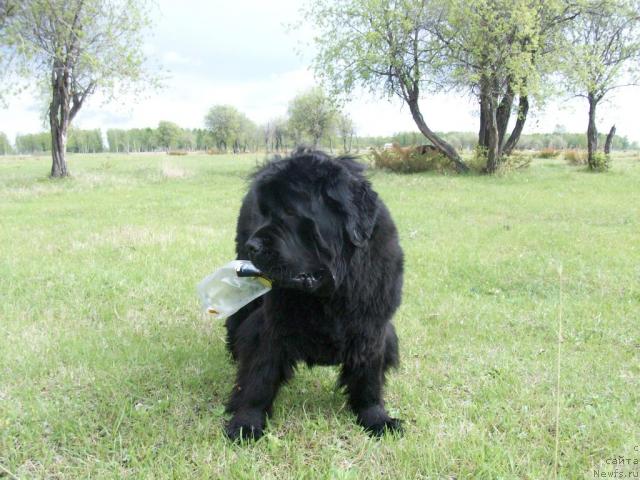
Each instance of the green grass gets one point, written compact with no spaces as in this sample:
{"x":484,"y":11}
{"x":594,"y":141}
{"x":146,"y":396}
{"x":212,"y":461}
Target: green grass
{"x":108,"y":369}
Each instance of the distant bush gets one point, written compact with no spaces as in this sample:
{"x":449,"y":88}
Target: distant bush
{"x":548,"y":153}
{"x":410,"y":160}
{"x":177,"y":152}
{"x":575,"y":157}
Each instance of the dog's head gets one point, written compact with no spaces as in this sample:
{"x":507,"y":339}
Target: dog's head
{"x":311,"y":212}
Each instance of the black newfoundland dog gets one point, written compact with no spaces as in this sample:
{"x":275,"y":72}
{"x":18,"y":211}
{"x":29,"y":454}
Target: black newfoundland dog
{"x":314,"y":226}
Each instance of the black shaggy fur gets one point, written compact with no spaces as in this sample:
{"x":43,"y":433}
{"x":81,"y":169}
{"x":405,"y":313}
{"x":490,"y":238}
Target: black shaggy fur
{"x":313,"y":224}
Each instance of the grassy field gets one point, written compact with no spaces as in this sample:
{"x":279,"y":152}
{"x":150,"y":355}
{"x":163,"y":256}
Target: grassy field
{"x":108,"y":369}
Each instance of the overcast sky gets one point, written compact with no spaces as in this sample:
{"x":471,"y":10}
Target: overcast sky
{"x":240,"y":53}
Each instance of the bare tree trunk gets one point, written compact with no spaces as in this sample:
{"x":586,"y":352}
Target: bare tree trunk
{"x":523,"y":109}
{"x":59,"y":119}
{"x":439,"y":143}
{"x":482,"y":133}
{"x":492,"y":134}
{"x":502,"y":116}
{"x":489,"y":128}
{"x":58,"y":151}
{"x":592,"y":132}
{"x":609,"y":141}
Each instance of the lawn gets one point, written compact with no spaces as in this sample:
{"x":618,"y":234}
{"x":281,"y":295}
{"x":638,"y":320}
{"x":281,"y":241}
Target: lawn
{"x":109,"y":370}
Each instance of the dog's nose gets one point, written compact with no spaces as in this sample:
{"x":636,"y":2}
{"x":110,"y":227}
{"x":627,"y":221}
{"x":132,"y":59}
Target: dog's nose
{"x":253,"y":246}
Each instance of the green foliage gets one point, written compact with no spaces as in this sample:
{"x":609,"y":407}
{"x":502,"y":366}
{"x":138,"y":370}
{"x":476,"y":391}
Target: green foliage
{"x":99,"y":42}
{"x":602,"y":54}
{"x":5,"y":145}
{"x":478,"y":161}
{"x":71,"y":48}
{"x":79,"y":141}
{"x":346,"y":128}
{"x":602,"y":47}
{"x":148,"y":140}
{"x":409,"y":160}
{"x":168,"y":134}
{"x":230,"y":128}
{"x":312,"y":116}
{"x":85,"y":141}
{"x":33,"y":142}
{"x":494,"y":49}
{"x":494,"y":42}
{"x":599,"y":162}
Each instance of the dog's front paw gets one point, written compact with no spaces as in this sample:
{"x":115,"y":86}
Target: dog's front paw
{"x":245,"y":427}
{"x":391,"y":425}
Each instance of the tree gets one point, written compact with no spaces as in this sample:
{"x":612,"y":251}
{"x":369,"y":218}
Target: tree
{"x":247,"y":136}
{"x":385,"y":47}
{"x":76,"y":47}
{"x":5,"y":146}
{"x":499,"y":50}
{"x":311,"y":114}
{"x":227,"y":126}
{"x":84,"y":141}
{"x":604,"y":55}
{"x":118,"y":140}
{"x":279,"y":133}
{"x":346,"y":130}
{"x":33,"y":142}
{"x":187,"y":139}
{"x":168,"y":134}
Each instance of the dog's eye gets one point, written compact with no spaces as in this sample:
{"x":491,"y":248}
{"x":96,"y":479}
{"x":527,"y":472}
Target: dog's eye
{"x":289,"y":211}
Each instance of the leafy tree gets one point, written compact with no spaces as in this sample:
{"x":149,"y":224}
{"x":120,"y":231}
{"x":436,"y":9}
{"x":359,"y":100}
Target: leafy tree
{"x":84,"y":141}
{"x":187,"y":139}
{"x":497,"y":50}
{"x":204,"y":140}
{"x":311,"y":114}
{"x":385,"y":47}
{"x":346,"y":130}
{"x":118,"y":140}
{"x":228,"y":127}
{"x":75,"y":47}
{"x":5,"y":146}
{"x":603,"y":54}
{"x":33,"y":142}
{"x":168,"y":134}
{"x":248,"y":136}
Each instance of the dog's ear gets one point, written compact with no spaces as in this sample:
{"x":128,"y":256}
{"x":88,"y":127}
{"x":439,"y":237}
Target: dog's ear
{"x":358,"y":203}
{"x":362,"y":219}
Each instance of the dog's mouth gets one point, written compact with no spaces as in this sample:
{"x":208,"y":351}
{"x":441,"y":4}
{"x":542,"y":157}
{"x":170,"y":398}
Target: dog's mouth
{"x":320,"y":281}
{"x":308,"y":281}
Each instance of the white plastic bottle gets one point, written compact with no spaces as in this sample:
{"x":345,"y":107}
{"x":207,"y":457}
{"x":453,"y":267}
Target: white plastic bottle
{"x":231,"y":287}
